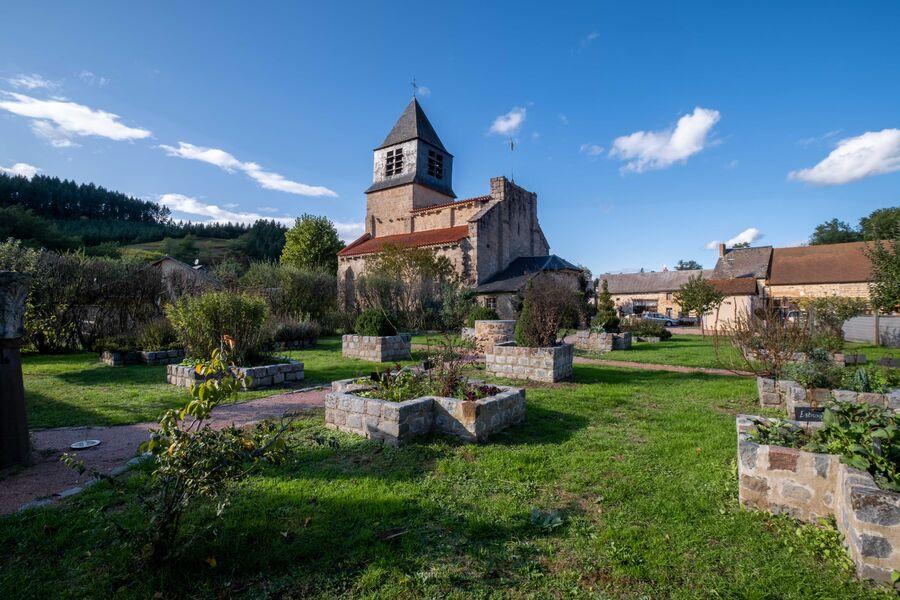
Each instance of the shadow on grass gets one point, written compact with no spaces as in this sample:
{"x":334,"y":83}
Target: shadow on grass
{"x":591,"y":374}
{"x":45,"y":411}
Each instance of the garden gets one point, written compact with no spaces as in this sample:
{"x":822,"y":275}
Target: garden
{"x":431,"y":469}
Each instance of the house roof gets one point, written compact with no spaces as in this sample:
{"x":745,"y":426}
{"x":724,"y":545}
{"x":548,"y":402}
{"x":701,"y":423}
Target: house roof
{"x":827,"y":263}
{"x":201,"y":272}
{"x":738,"y":286}
{"x":413,"y":124}
{"x":366,"y":244}
{"x":649,"y":283}
{"x":519,"y":271}
{"x":744,"y":262}
{"x":481,"y":199}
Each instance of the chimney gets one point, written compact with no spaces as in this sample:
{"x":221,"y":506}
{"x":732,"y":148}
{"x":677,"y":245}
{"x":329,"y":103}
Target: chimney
{"x":721,"y":249}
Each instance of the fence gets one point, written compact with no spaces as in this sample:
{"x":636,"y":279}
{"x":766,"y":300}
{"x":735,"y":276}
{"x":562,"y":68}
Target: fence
{"x":862,"y":329}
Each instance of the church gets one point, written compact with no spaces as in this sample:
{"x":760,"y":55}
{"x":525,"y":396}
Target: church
{"x":494,"y":241}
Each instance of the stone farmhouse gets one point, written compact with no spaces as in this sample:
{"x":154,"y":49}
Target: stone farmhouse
{"x":494,"y":242}
{"x":749,"y":277}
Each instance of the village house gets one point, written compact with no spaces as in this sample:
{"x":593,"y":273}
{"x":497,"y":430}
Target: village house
{"x":494,"y":242}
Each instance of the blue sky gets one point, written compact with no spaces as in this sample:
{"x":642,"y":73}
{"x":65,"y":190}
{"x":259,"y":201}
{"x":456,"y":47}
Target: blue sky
{"x":648,"y":129}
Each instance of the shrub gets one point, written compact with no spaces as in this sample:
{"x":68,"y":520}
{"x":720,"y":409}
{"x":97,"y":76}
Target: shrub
{"x":766,"y":341}
{"x":121,"y":342}
{"x":296,"y":331}
{"x":481,"y":313}
{"x":293,"y":292}
{"x":829,"y":315}
{"x":814,"y":371}
{"x":606,"y":319}
{"x":646,"y":328}
{"x":869,"y":378}
{"x":201,"y":322}
{"x":374,"y":322}
{"x":157,"y":334}
{"x":545,"y":308}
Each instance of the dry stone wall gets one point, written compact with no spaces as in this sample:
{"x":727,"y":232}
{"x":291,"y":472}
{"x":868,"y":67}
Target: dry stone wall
{"x":810,"y":486}
{"x":488,"y":333}
{"x":395,"y":423}
{"x":789,"y":395}
{"x":538,"y":364}
{"x":156,"y":357}
{"x":261,"y":377}
{"x":377,"y":348}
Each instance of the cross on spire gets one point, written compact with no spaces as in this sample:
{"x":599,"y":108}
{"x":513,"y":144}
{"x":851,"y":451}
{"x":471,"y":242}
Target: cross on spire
{"x":414,"y":86}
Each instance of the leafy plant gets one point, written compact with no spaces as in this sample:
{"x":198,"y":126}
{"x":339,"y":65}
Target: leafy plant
{"x":16,"y":257}
{"x":312,"y":244}
{"x":646,"y":328}
{"x":122,"y":342}
{"x":545,"y":308}
{"x":815,"y":371}
{"x":777,"y":432}
{"x":884,"y":290}
{"x":546,"y":520}
{"x":699,"y":296}
{"x":157,"y":334}
{"x":289,"y":330}
{"x":374,"y":322}
{"x":829,"y":314}
{"x":202,"y":321}
{"x":868,"y":378}
{"x":866,"y":437}
{"x":481,"y":313}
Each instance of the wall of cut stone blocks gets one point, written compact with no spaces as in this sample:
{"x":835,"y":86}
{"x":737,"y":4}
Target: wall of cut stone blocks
{"x":788,"y":395}
{"x":155,"y":357}
{"x":810,"y":486}
{"x":261,"y":377}
{"x":595,"y":341}
{"x":537,"y":364}
{"x":395,"y":423}
{"x":391,"y":348}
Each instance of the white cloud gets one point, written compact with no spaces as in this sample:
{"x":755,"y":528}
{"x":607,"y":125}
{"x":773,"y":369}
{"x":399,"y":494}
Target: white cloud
{"x":804,"y":142}
{"x":747,"y":236}
{"x":268,"y":209}
{"x":586,"y":40}
{"x":67,"y":119}
{"x":31,"y":82}
{"x":509,"y":123}
{"x":57,"y":137}
{"x":20,"y":169}
{"x":423,"y":91}
{"x":220,"y":214}
{"x":872,"y":153}
{"x":227,"y":162}
{"x":563,"y":119}
{"x":93,"y":79}
{"x":591,"y":149}
{"x":648,"y":150}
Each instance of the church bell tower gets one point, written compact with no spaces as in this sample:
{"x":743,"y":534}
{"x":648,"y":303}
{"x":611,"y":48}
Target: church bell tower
{"x":412,"y":170}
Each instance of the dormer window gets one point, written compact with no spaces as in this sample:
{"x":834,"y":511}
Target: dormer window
{"x":435,"y":164}
{"x":394,"y":162}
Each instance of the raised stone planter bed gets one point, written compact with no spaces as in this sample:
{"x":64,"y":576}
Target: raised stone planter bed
{"x":595,"y":341}
{"x":389,"y":348}
{"x":809,"y":486}
{"x":262,"y":376}
{"x":488,"y":333}
{"x":396,"y":423}
{"x":788,"y":395}
{"x":847,"y":360}
{"x":154,"y":357}
{"x":652,"y":339}
{"x":537,"y":364}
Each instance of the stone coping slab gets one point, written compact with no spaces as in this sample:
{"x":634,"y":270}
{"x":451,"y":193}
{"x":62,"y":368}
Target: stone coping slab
{"x":549,"y":365}
{"x":809,"y":486}
{"x":396,"y":423}
{"x":262,"y":376}
{"x":389,"y":348}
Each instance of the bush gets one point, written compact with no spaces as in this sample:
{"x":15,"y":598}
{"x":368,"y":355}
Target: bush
{"x":646,"y":328}
{"x":293,"y":292}
{"x":157,"y":334}
{"x":296,"y":331}
{"x":374,"y":322}
{"x":481,"y":313}
{"x":870,"y":378}
{"x":545,"y":308}
{"x":815,"y":371}
{"x":121,"y":342}
{"x":201,"y":322}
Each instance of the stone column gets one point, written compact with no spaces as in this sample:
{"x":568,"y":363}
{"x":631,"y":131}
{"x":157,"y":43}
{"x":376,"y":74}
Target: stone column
{"x":15,"y":445}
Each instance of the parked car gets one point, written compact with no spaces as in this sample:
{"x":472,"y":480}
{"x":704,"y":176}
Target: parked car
{"x":659,"y":318}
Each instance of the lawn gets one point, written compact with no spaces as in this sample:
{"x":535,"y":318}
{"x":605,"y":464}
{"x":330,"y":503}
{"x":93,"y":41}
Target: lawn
{"x":873,"y":353}
{"x":638,"y":465}
{"x":683,"y":350}
{"x":77,"y":389}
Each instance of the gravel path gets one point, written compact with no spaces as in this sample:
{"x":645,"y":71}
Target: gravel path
{"x":48,"y":479}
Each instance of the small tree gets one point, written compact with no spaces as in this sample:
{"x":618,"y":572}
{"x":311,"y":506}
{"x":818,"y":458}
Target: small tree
{"x":312,"y":244}
{"x":544,"y":310}
{"x":884,"y":290}
{"x":688,"y":265}
{"x":700,"y":296}
{"x":829,"y":315}
{"x":766,"y":342}
{"x":606,"y":317}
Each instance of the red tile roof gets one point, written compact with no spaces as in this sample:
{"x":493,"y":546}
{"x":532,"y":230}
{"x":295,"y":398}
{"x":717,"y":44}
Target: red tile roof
{"x":737,"y":286}
{"x":827,"y":263}
{"x":431,"y":237}
{"x":454,"y":203}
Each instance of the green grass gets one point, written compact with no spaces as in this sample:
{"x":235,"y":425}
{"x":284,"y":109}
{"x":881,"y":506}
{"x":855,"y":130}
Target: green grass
{"x":873,"y":353}
{"x":683,"y":350}
{"x":435,"y":339}
{"x":77,"y":389}
{"x":214,"y":248}
{"x":639,"y":464}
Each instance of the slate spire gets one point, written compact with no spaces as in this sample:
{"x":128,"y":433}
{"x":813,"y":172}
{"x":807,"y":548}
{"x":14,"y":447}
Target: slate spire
{"x":413,"y":124}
